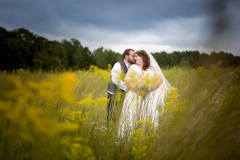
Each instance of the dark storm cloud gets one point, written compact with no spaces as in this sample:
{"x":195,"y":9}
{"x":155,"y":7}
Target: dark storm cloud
{"x":103,"y":13}
{"x":154,"y":24}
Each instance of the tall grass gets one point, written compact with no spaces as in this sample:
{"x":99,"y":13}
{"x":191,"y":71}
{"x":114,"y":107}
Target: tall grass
{"x":207,"y":126}
{"x":63,"y":116}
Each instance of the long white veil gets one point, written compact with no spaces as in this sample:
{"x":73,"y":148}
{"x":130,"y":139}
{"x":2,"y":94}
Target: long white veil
{"x":165,"y":86}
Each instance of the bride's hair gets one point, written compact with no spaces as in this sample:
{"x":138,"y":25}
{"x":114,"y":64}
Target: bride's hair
{"x":145,"y":57}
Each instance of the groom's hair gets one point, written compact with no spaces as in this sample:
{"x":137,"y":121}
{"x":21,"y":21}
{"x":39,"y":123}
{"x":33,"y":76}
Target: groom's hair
{"x":126,"y":52}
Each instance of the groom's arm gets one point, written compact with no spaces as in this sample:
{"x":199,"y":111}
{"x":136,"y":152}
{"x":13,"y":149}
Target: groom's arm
{"x":116,"y":74}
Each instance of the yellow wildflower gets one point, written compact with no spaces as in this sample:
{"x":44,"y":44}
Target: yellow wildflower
{"x":67,"y":83}
{"x":87,"y":101}
{"x":102,"y":101}
{"x":101,"y":72}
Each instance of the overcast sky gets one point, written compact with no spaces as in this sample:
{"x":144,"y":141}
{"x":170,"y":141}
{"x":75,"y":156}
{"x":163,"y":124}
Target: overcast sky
{"x":152,"y":25}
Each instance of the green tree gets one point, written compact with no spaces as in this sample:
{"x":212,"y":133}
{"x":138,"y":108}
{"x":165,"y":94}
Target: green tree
{"x":41,"y":61}
{"x":164,"y":59}
{"x":204,"y":60}
{"x":237,"y":61}
{"x":40,"y":57}
{"x":103,"y":57}
{"x":57,"y":56}
{"x":10,"y":56}
{"x":191,"y":61}
{"x":24,"y":40}
{"x":3,"y":33}
{"x":195,"y":55}
{"x":83,"y":58}
{"x":185,"y":64}
{"x":72,"y":47}
{"x":79,"y":57}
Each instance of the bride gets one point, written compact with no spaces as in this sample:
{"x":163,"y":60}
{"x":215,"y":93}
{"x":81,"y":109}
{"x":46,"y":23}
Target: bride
{"x":147,"y":86}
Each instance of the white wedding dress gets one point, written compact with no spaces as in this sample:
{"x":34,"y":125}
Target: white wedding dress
{"x":135,"y":107}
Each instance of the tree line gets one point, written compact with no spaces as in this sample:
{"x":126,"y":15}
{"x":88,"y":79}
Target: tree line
{"x":21,"y":48}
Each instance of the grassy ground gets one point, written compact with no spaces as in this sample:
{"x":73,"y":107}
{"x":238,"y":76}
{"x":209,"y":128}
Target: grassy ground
{"x":63,"y":116}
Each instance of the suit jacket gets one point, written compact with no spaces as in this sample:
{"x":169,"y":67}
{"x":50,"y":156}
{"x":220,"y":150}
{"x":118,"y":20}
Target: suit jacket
{"x":111,"y":86}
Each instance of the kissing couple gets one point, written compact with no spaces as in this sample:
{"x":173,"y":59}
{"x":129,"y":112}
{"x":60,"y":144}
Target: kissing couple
{"x":136,"y":91}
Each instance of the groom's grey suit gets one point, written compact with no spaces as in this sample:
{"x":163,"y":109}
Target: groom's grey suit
{"x":113,"y":89}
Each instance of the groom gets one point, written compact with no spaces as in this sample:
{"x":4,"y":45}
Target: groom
{"x":117,"y":84}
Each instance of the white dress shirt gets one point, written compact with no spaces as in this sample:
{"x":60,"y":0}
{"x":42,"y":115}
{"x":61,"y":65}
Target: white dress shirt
{"x":115,"y":74}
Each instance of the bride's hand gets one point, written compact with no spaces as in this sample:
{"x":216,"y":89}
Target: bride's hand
{"x":146,"y":93}
{"x":143,"y":93}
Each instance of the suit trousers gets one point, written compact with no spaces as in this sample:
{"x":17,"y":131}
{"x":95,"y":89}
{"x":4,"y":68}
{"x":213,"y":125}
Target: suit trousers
{"x":114,"y":105}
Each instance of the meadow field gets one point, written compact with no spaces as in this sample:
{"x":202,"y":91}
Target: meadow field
{"x":62,"y":116}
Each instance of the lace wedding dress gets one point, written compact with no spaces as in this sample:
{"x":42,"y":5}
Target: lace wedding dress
{"x":137,"y":108}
